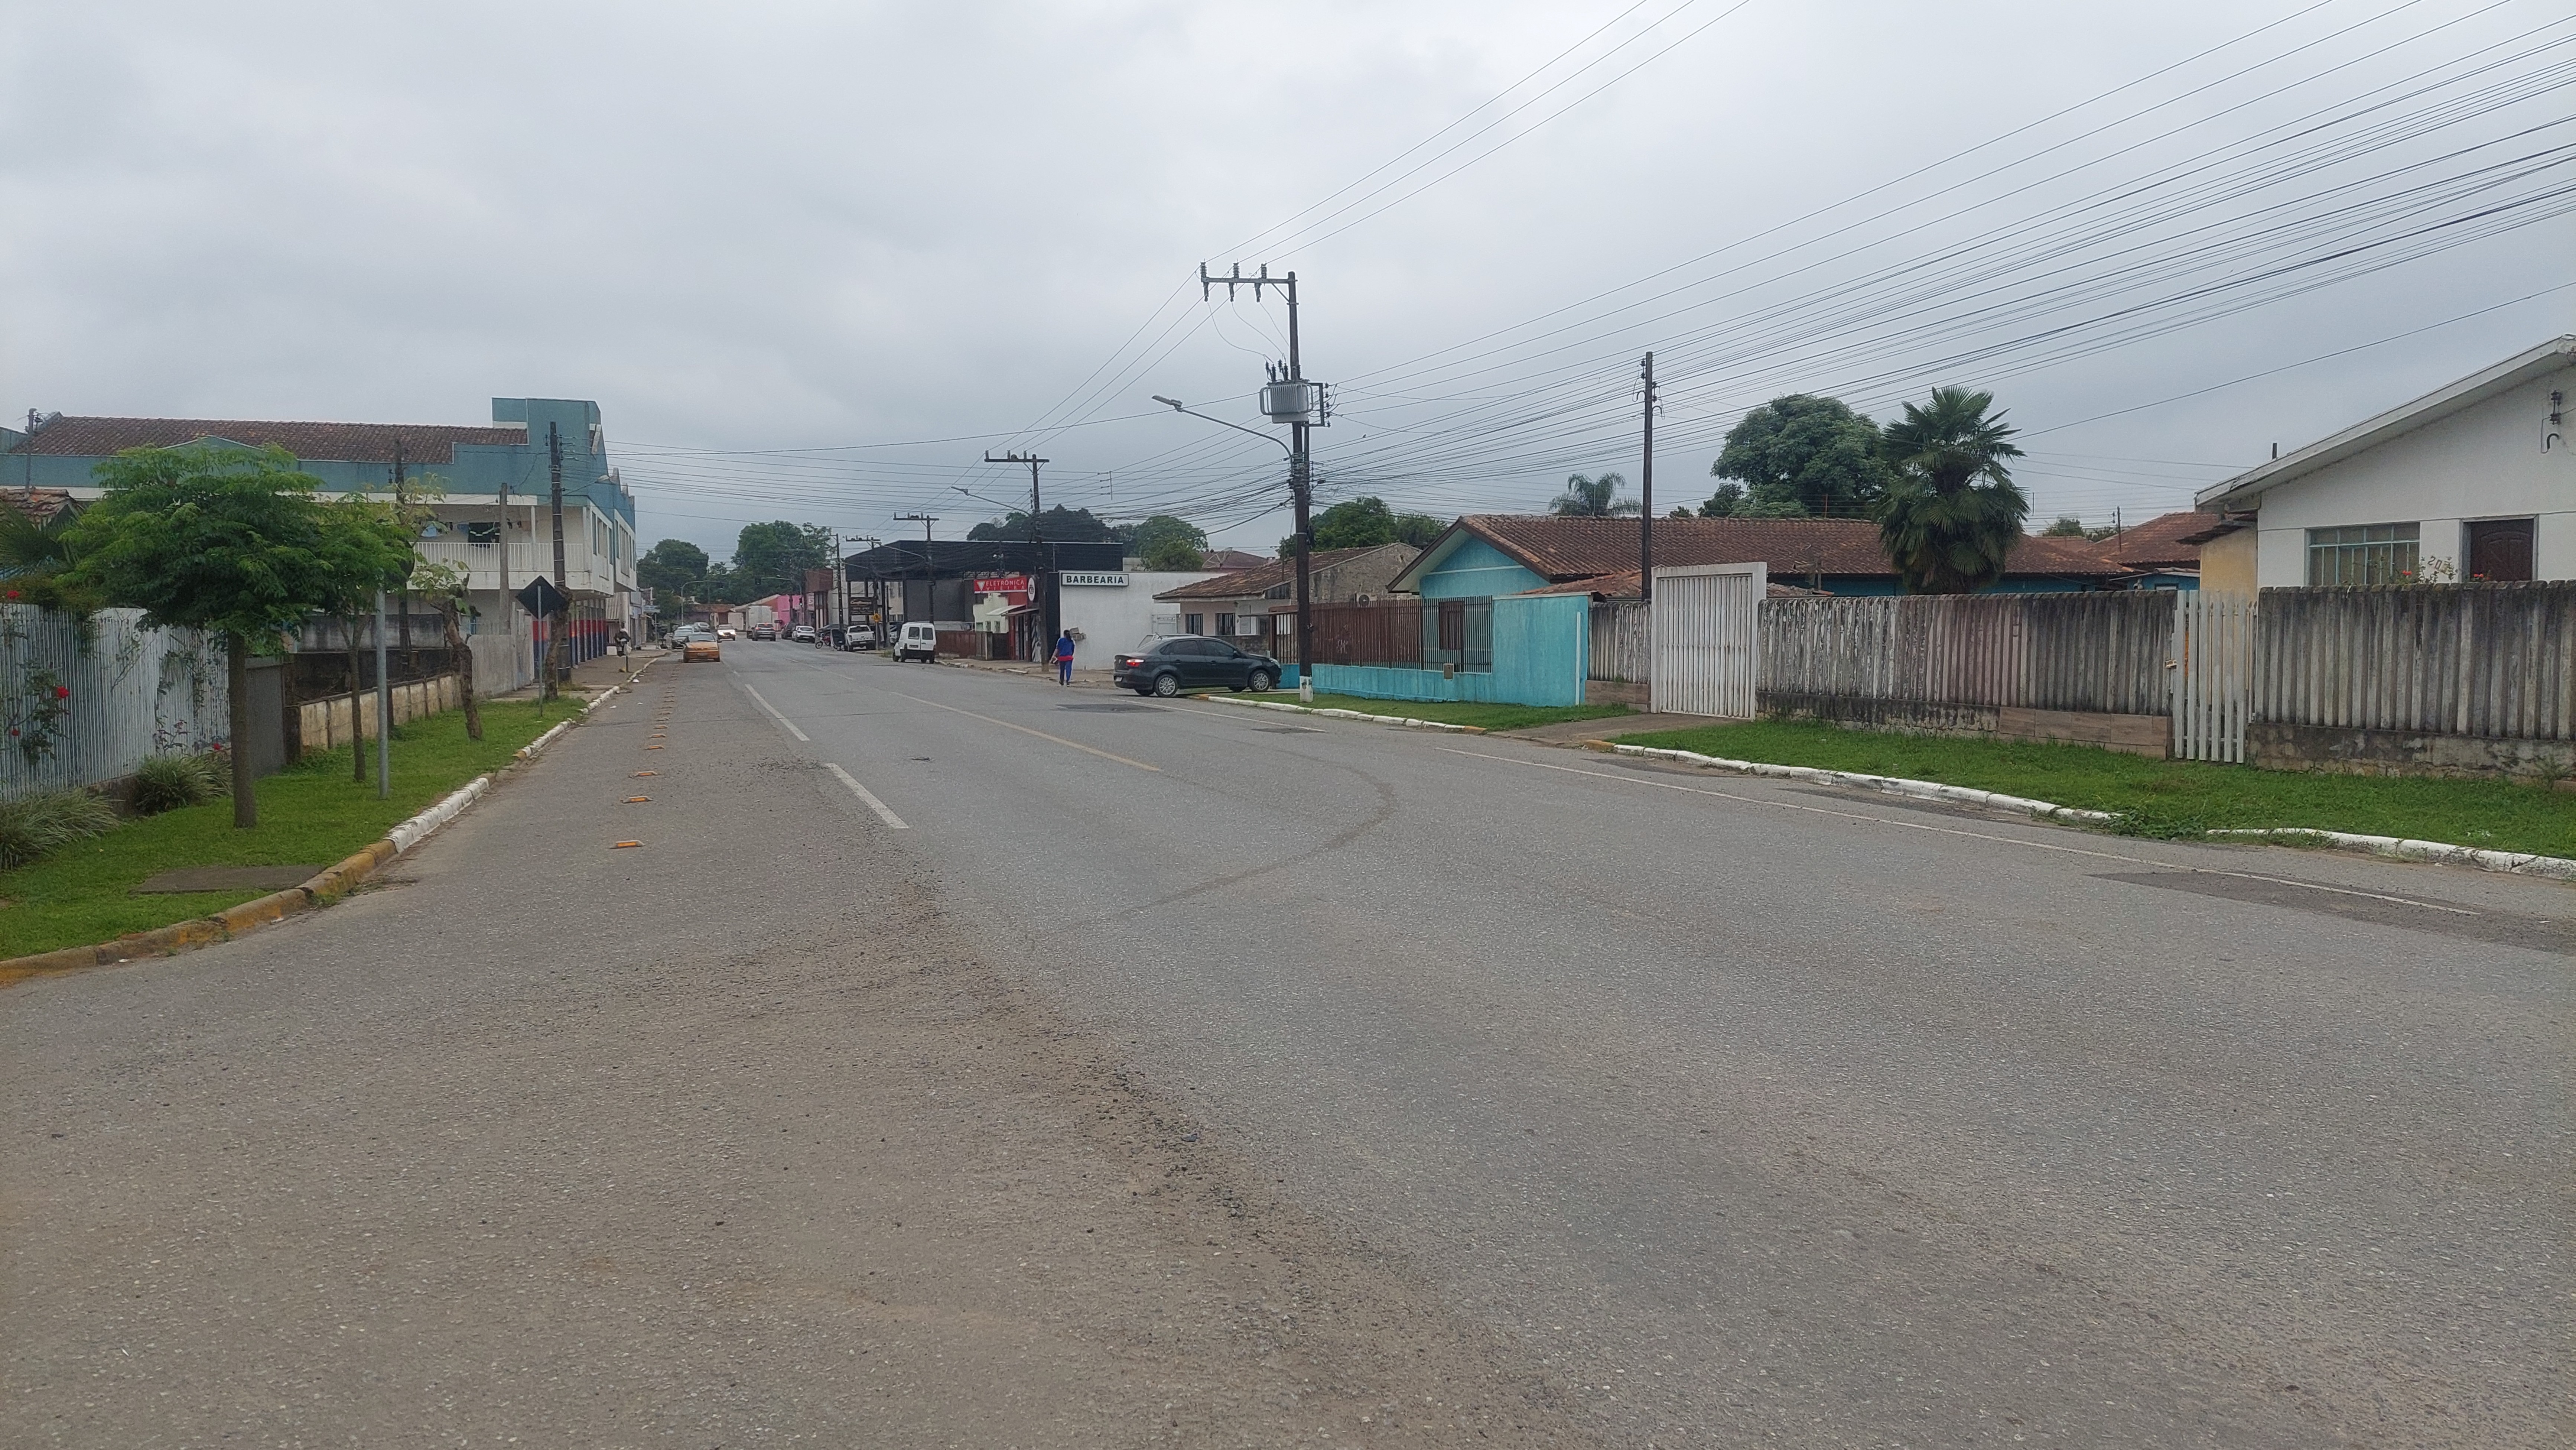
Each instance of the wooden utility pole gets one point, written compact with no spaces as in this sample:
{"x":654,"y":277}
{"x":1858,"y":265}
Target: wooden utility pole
{"x":1646,"y":493}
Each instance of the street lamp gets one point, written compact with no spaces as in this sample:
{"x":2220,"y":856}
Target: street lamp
{"x":1305,"y":667}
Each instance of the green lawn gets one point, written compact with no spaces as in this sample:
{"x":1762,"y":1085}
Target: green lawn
{"x":2166,"y":797}
{"x":309,"y":814}
{"x":1456,"y":712}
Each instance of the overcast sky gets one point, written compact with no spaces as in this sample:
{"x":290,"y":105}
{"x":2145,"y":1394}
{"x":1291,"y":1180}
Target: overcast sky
{"x":813,"y":260}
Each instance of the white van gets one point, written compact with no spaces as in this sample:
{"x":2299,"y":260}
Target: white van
{"x":919,"y":641}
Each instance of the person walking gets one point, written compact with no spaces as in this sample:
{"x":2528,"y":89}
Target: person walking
{"x":1064,"y":659}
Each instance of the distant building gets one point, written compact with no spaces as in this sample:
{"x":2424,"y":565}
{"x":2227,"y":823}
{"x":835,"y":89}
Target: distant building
{"x":2476,"y":480}
{"x":475,"y":466}
{"x":1490,"y":554}
{"x":1257,"y":607}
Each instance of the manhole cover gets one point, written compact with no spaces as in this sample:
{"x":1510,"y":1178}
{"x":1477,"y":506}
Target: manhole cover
{"x":1111,"y":709}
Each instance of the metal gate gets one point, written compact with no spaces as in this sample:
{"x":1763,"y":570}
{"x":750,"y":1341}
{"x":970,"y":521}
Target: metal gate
{"x":1708,"y":649}
{"x":2211,"y":665}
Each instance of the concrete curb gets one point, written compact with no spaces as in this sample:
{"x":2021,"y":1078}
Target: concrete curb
{"x":2518,"y":863}
{"x":323,"y":889}
{"x":1886,"y":784}
{"x":1407,"y":721}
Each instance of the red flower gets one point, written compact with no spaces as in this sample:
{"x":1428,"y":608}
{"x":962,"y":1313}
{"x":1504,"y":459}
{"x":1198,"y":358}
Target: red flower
{"x":62,"y":692}
{"x":13,"y":731}
{"x":13,"y":593}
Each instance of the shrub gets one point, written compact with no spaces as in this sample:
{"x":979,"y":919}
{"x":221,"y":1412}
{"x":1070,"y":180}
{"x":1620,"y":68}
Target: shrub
{"x":167,"y":782}
{"x":37,"y":825}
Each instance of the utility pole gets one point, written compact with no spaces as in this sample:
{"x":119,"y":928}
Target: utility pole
{"x":509,"y":606}
{"x":1050,"y":599}
{"x":929,"y":585}
{"x":384,"y":709}
{"x":1646,"y":492}
{"x":555,"y":631}
{"x":1302,"y":407}
{"x":404,"y":623}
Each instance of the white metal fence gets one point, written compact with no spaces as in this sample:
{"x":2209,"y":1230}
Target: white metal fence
{"x":1707,"y":631}
{"x":87,"y":701}
{"x":1623,"y":641}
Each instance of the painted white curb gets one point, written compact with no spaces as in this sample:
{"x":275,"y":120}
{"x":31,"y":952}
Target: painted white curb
{"x":1890,"y":784}
{"x":1338,"y":714}
{"x":410,"y":832}
{"x":2519,"y":863}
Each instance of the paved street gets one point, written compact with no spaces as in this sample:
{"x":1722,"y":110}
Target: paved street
{"x":1583,"y":1101}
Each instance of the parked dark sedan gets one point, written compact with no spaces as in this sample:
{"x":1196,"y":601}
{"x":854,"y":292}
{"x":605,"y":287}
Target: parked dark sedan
{"x":1194,"y":662}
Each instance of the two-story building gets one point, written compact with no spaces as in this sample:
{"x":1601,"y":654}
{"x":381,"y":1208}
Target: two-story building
{"x":494,"y":514}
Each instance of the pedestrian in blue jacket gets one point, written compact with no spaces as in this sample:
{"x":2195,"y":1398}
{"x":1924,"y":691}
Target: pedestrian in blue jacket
{"x":1064,"y":659}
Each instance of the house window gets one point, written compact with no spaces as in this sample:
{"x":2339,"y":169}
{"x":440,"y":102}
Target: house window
{"x":2362,"y":554}
{"x":1193,"y":624}
{"x":483,"y":533}
{"x":2499,"y":550}
{"x":1225,"y":624}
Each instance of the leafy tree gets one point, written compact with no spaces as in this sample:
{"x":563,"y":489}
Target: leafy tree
{"x":1168,"y":541}
{"x":1355,"y":523}
{"x":444,"y":587}
{"x":672,"y":569}
{"x":36,"y":562}
{"x":1734,"y":501}
{"x":1952,"y":513}
{"x":1813,"y":452}
{"x":1058,"y":525}
{"x":365,"y":549}
{"x":2067,"y":526}
{"x":222,"y":539}
{"x":772,"y":558}
{"x":1591,"y":498}
{"x":1418,"y":529}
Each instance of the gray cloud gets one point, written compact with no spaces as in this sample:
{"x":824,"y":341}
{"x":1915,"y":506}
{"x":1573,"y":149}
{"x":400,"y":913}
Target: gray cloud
{"x":800,"y":227}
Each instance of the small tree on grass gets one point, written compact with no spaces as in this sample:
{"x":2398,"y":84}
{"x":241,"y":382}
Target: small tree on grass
{"x":366,"y":549}
{"x":444,"y":586}
{"x":221,"y":539}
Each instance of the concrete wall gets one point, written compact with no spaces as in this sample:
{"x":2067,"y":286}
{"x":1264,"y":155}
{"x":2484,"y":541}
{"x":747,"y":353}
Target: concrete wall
{"x":2345,"y":750}
{"x":2484,"y":462}
{"x":1107,"y":619}
{"x":2228,"y":563}
{"x":1381,"y":682}
{"x":337,"y":720}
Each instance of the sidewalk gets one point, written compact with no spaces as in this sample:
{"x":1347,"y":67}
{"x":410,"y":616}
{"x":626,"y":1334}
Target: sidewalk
{"x":594,"y":677}
{"x":1086,"y":679}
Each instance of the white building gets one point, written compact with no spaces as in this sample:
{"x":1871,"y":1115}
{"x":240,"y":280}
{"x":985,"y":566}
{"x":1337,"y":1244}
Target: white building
{"x":1109,"y":612}
{"x":2474,"y":481}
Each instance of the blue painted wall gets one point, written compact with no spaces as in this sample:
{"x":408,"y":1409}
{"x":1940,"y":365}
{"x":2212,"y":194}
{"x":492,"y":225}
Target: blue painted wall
{"x":1474,"y":569}
{"x":1542,"y":650}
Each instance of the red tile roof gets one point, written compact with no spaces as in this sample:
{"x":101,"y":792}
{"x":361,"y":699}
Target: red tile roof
{"x":1231,"y":559}
{"x":69,"y":437}
{"x":39,"y":504}
{"x":1562,"y":549}
{"x":1623,"y":585}
{"x":2167,"y":541}
{"x":1250,"y":583}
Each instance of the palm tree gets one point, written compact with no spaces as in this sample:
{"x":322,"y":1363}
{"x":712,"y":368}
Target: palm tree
{"x":1953,"y":513}
{"x":1589,"y":498}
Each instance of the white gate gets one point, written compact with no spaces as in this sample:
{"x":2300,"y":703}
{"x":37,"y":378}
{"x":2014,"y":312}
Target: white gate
{"x":1708,"y":647}
{"x":2211,"y":665}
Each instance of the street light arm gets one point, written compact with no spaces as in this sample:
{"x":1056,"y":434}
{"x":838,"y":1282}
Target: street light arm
{"x":1175,"y":406}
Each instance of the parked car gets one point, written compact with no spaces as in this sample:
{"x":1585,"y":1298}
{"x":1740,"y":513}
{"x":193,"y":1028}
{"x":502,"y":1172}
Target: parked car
{"x":801,"y":634}
{"x":859,"y":636}
{"x":682,"y":635}
{"x":918,"y":641}
{"x":1194,"y":662}
{"x":764,"y":631}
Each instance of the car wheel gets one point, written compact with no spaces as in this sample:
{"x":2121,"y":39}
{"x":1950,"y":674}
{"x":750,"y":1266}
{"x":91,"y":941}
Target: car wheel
{"x":1167,"y":685}
{"x":1260,"y":683}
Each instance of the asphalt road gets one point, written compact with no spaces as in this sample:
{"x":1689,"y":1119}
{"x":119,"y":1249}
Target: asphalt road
{"x":1771,"y":1114}
{"x":1701,"y":1110}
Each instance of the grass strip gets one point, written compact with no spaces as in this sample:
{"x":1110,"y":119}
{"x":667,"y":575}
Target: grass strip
{"x":2167,"y":798}
{"x":1454,"y":712}
{"x":309,"y":813}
